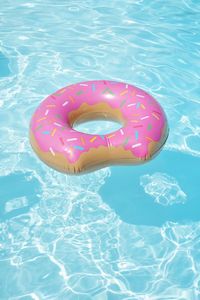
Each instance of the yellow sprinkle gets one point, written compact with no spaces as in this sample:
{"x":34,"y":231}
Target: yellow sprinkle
{"x":133,"y":93}
{"x":134,"y":121}
{"x":53,"y":132}
{"x":70,"y":151}
{"x":110,"y":136}
{"x":51,"y":105}
{"x":72,"y":99}
{"x":123,"y":93}
{"x":155,"y":116}
{"x":82,"y":140}
{"x":61,"y":91}
{"x":148,"y":138}
{"x":144,"y":107}
{"x":93,"y":139}
{"x":41,"y":119}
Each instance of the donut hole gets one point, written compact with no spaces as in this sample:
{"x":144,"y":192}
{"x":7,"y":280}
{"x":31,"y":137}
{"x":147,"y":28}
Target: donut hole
{"x":97,"y":126}
{"x":96,"y":119}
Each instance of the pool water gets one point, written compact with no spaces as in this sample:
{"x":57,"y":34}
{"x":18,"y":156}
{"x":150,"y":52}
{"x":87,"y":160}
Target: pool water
{"x":120,"y":233}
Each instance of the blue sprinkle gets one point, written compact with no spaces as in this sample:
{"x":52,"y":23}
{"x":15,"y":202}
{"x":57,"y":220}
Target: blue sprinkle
{"x":136,"y":135}
{"x":93,"y":87}
{"x":102,"y":136}
{"x":79,"y":147}
{"x":46,"y":132}
{"x":138,"y":105}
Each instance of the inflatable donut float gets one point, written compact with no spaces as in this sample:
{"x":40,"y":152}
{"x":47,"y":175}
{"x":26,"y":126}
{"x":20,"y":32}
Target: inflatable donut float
{"x":143,"y":133}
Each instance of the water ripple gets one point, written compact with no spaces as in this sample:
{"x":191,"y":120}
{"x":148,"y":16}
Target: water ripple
{"x":68,"y":243}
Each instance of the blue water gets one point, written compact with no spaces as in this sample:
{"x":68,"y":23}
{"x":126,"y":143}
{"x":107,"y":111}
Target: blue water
{"x":130,"y":233}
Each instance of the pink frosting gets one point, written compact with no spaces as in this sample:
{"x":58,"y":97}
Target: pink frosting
{"x":145,"y":119}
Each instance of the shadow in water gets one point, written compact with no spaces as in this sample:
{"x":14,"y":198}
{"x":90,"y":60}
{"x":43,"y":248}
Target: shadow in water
{"x":19,"y":191}
{"x":123,"y":192}
{"x":4,"y":65}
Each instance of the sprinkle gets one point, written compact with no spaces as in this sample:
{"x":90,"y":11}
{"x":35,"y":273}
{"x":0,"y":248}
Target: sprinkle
{"x":78,"y":147}
{"x":157,"y":112}
{"x":134,"y":121}
{"x":104,"y":82}
{"x":122,"y":133}
{"x":58,"y":116}
{"x":137,"y":126}
{"x":62,"y":91}
{"x":126,"y":140}
{"x":138,"y":105}
{"x":123,"y":93}
{"x":59,"y":92}
{"x":135,"y":115}
{"x":79,"y":92}
{"x":107,"y":90}
{"x":133,"y":93}
{"x":110,"y":136}
{"x":93,"y":139}
{"x":71,"y":99}
{"x":82,"y":140}
{"x":37,"y":128}
{"x":65,"y":103}
{"x":46,"y":112}
{"x":136,"y":145}
{"x":143,"y":118}
{"x":41,"y":119}
{"x":62,"y":142}
{"x":143,"y":106}
{"x":126,"y":86}
{"x":69,"y":150}
{"x":122,"y":103}
{"x":148,"y":138}
{"x":149,"y":127}
{"x":136,"y":135}
{"x":57,"y":124}
{"x":52,"y":152}
{"x":53,"y":132}
{"x":131,"y":104}
{"x":83,"y":84}
{"x":141,"y":96}
{"x":93,"y":87}
{"x":72,"y":139}
{"x":155,"y":116}
{"x":51,"y":105}
{"x":102,"y":136}
{"x":46,"y":132}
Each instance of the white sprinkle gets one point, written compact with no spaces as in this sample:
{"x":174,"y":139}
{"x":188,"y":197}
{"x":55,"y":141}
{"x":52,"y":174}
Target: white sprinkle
{"x":65,"y":103}
{"x":131,"y":104}
{"x":52,"y":152}
{"x":136,"y":145}
{"x":121,"y":131}
{"x":73,"y":139}
{"x":83,"y":84}
{"x":55,"y":123}
{"x":142,"y":96}
{"x":146,"y":117}
{"x":46,"y":113}
{"x":126,"y":86}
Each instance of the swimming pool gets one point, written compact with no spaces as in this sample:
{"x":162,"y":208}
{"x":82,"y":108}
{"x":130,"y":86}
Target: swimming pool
{"x":120,"y":232}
